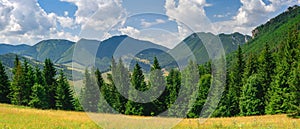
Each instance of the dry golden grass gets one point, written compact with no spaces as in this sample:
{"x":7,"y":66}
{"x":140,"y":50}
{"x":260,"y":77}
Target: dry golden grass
{"x":16,"y":117}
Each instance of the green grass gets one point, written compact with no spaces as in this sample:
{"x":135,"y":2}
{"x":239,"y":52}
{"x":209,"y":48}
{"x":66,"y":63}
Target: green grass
{"x":18,"y":117}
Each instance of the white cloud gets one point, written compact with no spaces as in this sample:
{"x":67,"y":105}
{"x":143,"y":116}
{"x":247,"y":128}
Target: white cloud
{"x":251,"y":14}
{"x":97,"y":16}
{"x":146,"y":24}
{"x":66,"y":22}
{"x":131,"y":31}
{"x":190,"y":13}
{"x":158,"y":36}
{"x":27,"y":22}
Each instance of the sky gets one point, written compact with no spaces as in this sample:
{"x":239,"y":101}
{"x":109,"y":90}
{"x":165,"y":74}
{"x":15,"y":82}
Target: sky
{"x":165,"y":22}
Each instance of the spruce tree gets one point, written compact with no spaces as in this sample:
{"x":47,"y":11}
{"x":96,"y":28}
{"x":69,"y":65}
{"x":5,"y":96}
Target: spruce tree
{"x":157,"y":82}
{"x":190,"y":78}
{"x":224,"y":104}
{"x":251,"y":97}
{"x":294,"y":95}
{"x":102,"y":104}
{"x":121,"y":78}
{"x":49,"y":74}
{"x":29,"y":82}
{"x":17,"y":85}
{"x":90,"y":93}
{"x":138,"y":83}
{"x":172,"y":90}
{"x":287,"y":56}
{"x":64,"y":94}
{"x":266,"y":70}
{"x":204,"y":85}
{"x":4,"y":85}
{"x":236,"y":83}
{"x":38,"y":97}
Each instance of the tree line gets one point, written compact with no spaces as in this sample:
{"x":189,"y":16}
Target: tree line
{"x":261,"y":83}
{"x":32,"y":87}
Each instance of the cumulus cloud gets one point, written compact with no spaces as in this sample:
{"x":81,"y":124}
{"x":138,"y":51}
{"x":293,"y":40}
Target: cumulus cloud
{"x":129,"y":31}
{"x":158,"y":36}
{"x":27,"y":22}
{"x":66,"y":22}
{"x":97,"y":16}
{"x":251,"y":14}
{"x":190,"y":13}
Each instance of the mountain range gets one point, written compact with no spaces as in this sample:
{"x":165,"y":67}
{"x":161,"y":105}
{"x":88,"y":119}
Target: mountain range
{"x":61,"y":51}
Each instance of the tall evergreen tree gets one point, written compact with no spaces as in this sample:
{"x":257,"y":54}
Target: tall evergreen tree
{"x":251,"y":97}
{"x":223,"y":106}
{"x":236,"y":83}
{"x":4,"y":85}
{"x":64,"y":94}
{"x":138,"y":83}
{"x":172,"y":90}
{"x":190,"y":78}
{"x":204,"y":85}
{"x":266,"y":70}
{"x":121,"y":78}
{"x":38,"y":97}
{"x":90,"y":93}
{"x":29,"y":82}
{"x":49,"y":74}
{"x":157,"y":82}
{"x":103,"y":88}
{"x":294,"y":95}
{"x":286,"y":57}
{"x":17,"y":85}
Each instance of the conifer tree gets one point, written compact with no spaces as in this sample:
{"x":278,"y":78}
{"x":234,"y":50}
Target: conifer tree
{"x":17,"y":85}
{"x":236,"y":83}
{"x":29,"y":82}
{"x":266,"y":70}
{"x":204,"y":85}
{"x":103,"y":88}
{"x":172,"y":90}
{"x":190,"y":79}
{"x":90,"y":93}
{"x":287,"y":56}
{"x":64,"y":94}
{"x":4,"y":85}
{"x":138,"y":83}
{"x":121,"y":78}
{"x":251,"y":97}
{"x":157,"y":82}
{"x":223,"y":106}
{"x":49,"y":74}
{"x":294,"y":95}
{"x":38,"y":97}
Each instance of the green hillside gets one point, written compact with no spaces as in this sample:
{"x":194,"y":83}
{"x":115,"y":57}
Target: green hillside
{"x":275,"y":31}
{"x":52,"y":49}
{"x":6,"y":48}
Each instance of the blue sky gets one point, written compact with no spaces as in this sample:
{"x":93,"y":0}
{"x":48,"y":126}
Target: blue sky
{"x":165,"y":22}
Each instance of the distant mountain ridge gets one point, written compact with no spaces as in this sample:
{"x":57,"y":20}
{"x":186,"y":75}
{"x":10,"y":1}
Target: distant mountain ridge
{"x":7,"y":48}
{"x":61,"y":51}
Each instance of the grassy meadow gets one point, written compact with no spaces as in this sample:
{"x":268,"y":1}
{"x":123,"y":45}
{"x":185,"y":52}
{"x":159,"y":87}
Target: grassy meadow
{"x":16,"y":117}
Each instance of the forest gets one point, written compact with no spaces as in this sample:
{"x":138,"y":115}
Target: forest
{"x":261,"y":83}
